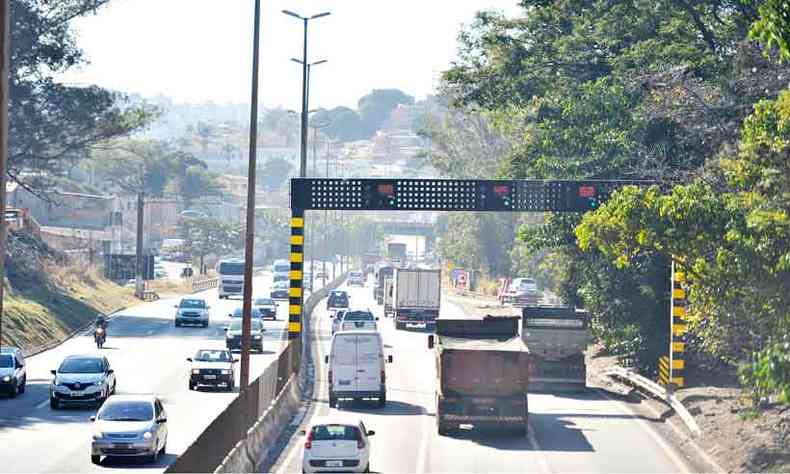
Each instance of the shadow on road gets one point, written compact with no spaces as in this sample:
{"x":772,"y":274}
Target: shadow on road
{"x":393,"y":407}
{"x":554,"y":432}
{"x":140,"y":463}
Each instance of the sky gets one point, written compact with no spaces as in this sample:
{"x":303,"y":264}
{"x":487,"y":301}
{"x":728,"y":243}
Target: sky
{"x":201,"y":50}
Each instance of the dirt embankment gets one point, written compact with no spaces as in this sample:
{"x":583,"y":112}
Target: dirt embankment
{"x":47,"y":299}
{"x":736,"y":438}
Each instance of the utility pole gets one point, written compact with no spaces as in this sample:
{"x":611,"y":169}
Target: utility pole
{"x":246,"y":323}
{"x":4,"y":73}
{"x":139,"y":283}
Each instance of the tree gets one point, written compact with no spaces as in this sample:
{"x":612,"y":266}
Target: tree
{"x":275,"y":171}
{"x":773,"y":26}
{"x":209,"y":236}
{"x":340,"y":124}
{"x":375,"y":108}
{"x":51,"y":125}
{"x":198,"y":182}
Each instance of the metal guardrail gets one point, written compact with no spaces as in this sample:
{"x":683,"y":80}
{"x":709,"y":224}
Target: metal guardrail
{"x":660,"y":393}
{"x":204,"y":282}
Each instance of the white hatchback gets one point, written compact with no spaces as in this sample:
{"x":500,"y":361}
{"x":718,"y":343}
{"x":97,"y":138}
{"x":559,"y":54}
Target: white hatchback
{"x":336,"y":445}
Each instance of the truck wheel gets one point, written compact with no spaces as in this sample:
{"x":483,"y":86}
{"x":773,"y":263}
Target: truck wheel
{"x":400,"y":326}
{"x":332,"y":400}
{"x":382,"y":400}
{"x":442,"y":428}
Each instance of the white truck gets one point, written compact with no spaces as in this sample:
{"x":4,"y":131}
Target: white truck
{"x":416,"y":297}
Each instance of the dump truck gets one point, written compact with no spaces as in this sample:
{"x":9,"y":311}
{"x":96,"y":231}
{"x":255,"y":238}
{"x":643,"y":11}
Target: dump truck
{"x":416,"y":296}
{"x":483,"y":370}
{"x":557,"y":337}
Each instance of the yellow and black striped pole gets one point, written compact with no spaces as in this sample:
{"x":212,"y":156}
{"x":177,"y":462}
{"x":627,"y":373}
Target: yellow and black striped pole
{"x":297,"y":266}
{"x":678,"y":329}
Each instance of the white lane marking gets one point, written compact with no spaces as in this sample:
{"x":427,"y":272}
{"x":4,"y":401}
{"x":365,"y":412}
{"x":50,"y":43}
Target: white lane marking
{"x":150,"y":332}
{"x":668,"y":451}
{"x":42,"y":404}
{"x":535,"y":446}
{"x":422,"y":454}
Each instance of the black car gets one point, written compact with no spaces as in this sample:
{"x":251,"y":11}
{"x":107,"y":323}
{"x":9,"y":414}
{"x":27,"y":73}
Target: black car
{"x":266,"y":307}
{"x":212,"y":367}
{"x":233,"y":335}
{"x":337,"y":299}
{"x":280,"y":290}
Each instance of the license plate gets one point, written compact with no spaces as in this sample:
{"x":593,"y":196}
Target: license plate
{"x":76,"y":393}
{"x":359,"y":324}
{"x":334,"y":463}
{"x":121,"y":445}
{"x":344,"y":382}
{"x":209,"y":377}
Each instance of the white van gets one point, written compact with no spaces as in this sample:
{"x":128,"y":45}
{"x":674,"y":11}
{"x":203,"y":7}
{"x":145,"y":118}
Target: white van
{"x":357,"y":367}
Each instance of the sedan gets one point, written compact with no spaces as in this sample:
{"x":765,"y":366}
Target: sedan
{"x":233,"y":335}
{"x":336,"y":444}
{"x":130,"y":426}
{"x":81,"y":379}
{"x":212,"y":367}
{"x":192,"y":311}
{"x":280,"y":290}
{"x":267,"y":307}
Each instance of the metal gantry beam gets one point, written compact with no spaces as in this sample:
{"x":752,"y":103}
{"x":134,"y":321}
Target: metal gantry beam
{"x":452,"y":194}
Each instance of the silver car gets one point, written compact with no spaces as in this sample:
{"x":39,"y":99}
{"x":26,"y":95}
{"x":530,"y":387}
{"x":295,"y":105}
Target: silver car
{"x":81,"y":379}
{"x":192,"y":311}
{"x":130,"y":426}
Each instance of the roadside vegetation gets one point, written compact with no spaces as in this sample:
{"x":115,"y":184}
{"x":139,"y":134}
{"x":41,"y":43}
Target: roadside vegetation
{"x":691,"y":95}
{"x":46,"y":300}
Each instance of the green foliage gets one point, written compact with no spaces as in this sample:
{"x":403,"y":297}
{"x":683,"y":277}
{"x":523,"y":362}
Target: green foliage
{"x":375,"y":108}
{"x":773,"y":26}
{"x":478,"y":241}
{"x":341,"y":124}
{"x":769,"y":372}
{"x":210,"y":236}
{"x":275,"y":171}
{"x":51,"y":125}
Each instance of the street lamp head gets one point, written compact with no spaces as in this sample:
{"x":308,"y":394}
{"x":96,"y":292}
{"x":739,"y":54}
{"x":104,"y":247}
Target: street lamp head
{"x":295,"y":15}
{"x":319,"y":15}
{"x":318,"y":62}
{"x":297,"y":60}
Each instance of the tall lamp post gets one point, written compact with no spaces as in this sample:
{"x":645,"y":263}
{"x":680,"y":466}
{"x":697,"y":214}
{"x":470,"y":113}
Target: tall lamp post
{"x":303,"y":154}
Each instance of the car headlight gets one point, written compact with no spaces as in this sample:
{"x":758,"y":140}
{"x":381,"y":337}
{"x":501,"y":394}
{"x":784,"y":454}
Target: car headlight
{"x":195,"y":371}
{"x":147,"y":435}
{"x":7,"y":378}
{"x":225,"y":371}
{"x":97,"y":433}
{"x":256,"y":336}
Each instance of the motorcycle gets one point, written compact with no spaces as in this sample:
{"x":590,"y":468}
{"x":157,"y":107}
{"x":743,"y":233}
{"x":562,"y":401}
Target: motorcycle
{"x":99,"y":335}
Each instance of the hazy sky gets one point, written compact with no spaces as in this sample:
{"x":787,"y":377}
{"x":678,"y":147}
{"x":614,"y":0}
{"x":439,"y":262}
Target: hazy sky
{"x":200,"y":50}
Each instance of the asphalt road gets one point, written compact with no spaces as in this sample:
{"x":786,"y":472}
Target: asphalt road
{"x":149,"y":356}
{"x":585,"y":432}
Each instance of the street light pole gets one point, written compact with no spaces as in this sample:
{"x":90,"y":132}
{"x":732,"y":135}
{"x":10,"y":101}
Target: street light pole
{"x":4,"y":72}
{"x":303,"y":150}
{"x":246,"y":322}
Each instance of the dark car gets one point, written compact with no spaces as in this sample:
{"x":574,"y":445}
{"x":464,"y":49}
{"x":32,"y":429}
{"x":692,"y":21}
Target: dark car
{"x":238,"y":312}
{"x":212,"y":367}
{"x":266,"y":307}
{"x":280,"y":290}
{"x":233,"y":335}
{"x":337,"y":299}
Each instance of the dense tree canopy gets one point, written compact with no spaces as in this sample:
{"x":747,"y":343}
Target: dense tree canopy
{"x":52,"y":125}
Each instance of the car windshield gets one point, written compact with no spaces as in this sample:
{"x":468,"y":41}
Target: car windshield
{"x":212,"y":356}
{"x":264,"y":302}
{"x":228,"y":268}
{"x":6,"y":360}
{"x":282,"y":268}
{"x":127,"y":411}
{"x":237,"y":313}
{"x":358,"y":316}
{"x":281,"y":285}
{"x":236,"y":325}
{"x":335,"y":433}
{"x":81,"y":366}
{"x":192,"y":304}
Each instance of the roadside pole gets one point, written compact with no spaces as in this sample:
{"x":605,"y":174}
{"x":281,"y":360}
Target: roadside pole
{"x":139,"y":283}
{"x":4,"y":72}
{"x":244,"y":376}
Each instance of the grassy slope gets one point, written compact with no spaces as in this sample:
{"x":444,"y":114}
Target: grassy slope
{"x":70,"y":299}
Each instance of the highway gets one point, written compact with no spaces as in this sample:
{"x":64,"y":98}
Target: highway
{"x":585,"y":432}
{"x":148,"y":355}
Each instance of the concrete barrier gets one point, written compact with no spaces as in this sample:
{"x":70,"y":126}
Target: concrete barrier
{"x":261,"y":422}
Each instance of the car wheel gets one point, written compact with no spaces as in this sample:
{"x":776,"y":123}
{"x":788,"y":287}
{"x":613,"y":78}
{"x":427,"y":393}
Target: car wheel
{"x":54,"y":403}
{"x":332,"y":401}
{"x":231,"y":385}
{"x":22,"y":386}
{"x":191,"y":385}
{"x":14,"y":391}
{"x":95,"y":459}
{"x":178,"y":324}
{"x":383,"y":400}
{"x":164,"y":448}
{"x":367,"y":468}
{"x":154,"y":458}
